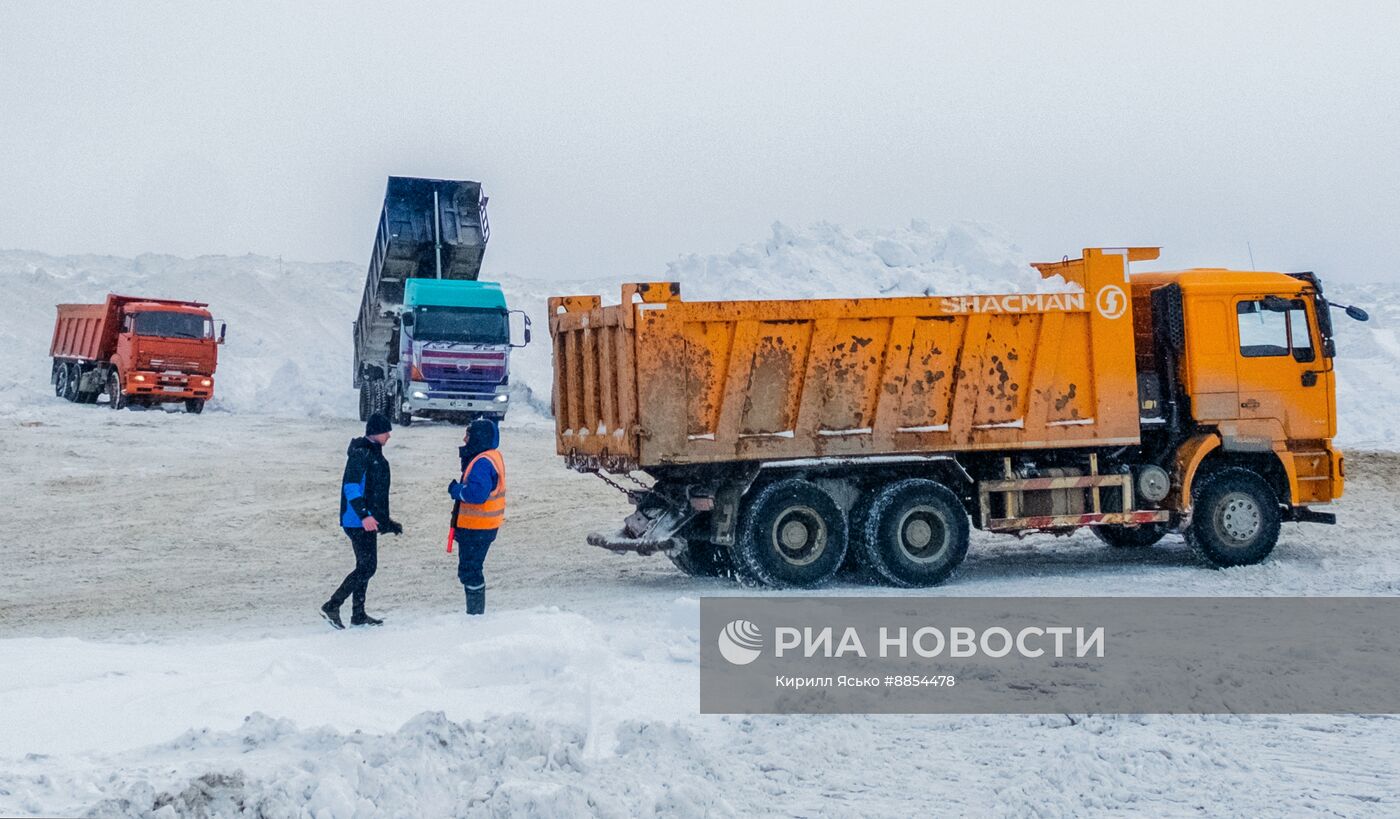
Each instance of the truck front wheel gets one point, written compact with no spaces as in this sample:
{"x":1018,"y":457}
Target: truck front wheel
{"x":1235,"y":519}
{"x":194,"y":406}
{"x":791,"y":534}
{"x":915,"y":534}
{"x":114,"y":391}
{"x":365,"y":411}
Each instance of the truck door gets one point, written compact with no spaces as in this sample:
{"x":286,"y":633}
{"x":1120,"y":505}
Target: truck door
{"x":1280,"y":376}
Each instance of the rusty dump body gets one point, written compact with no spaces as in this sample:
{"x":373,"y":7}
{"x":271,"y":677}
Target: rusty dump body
{"x":658,"y":381}
{"x":782,"y":436}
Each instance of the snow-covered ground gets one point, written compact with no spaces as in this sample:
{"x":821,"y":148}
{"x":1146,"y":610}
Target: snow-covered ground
{"x":161,"y":647}
{"x":160,"y":652}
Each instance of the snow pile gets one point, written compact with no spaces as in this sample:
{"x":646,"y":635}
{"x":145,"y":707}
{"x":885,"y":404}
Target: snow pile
{"x":288,"y":347}
{"x":826,"y":260}
{"x":558,"y":715}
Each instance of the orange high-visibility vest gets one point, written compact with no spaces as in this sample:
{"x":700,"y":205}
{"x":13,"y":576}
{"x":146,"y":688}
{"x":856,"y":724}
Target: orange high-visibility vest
{"x":491,"y":512}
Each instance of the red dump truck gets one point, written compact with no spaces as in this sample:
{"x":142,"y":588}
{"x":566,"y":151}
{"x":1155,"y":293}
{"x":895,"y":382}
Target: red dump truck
{"x":136,"y":351}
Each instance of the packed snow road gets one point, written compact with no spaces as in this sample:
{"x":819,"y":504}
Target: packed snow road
{"x":159,"y":646}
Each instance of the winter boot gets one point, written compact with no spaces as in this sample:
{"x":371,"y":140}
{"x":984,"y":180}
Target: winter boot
{"x":359,"y":618}
{"x":476,"y":600}
{"x":331,"y":612}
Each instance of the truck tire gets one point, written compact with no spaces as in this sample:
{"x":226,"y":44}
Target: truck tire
{"x":364,"y":401}
{"x":194,"y":406}
{"x":67,"y":387}
{"x":55,"y":378}
{"x":397,"y":415}
{"x":702,"y":558}
{"x":791,"y":534}
{"x":1131,"y":537}
{"x":1235,"y":519}
{"x":915,"y":534}
{"x":114,"y":391}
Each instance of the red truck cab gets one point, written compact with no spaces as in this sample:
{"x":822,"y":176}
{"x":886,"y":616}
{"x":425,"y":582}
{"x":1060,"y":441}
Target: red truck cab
{"x":137,"y":351}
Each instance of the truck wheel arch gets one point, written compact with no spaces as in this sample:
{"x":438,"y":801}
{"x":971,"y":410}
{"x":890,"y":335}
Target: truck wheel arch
{"x":1205,"y":454}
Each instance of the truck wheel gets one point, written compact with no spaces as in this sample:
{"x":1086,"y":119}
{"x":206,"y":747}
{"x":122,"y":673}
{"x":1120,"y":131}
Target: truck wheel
{"x":364,"y":402}
{"x":702,"y":558}
{"x":67,"y":386}
{"x":194,"y":406}
{"x":791,"y":533}
{"x":57,"y":378}
{"x":398,"y":415}
{"x":1235,"y":519}
{"x":915,"y":534}
{"x":114,"y":391}
{"x":1131,"y":537}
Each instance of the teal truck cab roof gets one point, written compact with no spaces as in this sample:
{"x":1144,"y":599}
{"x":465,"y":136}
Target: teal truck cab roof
{"x":449,"y":293}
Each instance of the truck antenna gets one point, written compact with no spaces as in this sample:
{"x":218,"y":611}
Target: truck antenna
{"x":1250,"y":248}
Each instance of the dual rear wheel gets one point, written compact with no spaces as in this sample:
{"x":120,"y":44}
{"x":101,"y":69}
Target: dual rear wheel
{"x":792,"y":533}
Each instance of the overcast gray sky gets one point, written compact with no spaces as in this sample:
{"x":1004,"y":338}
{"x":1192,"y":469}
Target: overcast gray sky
{"x":611,"y":139}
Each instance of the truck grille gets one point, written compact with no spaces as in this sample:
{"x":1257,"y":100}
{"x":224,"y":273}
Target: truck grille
{"x":463,"y":371}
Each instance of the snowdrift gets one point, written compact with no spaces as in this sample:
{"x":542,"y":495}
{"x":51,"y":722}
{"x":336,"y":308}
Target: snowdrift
{"x":289,"y":322}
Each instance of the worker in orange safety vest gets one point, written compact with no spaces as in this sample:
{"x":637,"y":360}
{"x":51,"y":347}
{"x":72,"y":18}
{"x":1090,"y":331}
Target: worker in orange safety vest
{"x":481,"y":507}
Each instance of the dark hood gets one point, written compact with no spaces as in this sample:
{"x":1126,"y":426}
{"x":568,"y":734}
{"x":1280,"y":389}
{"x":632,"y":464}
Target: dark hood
{"x":362,"y":443}
{"x":481,"y":436}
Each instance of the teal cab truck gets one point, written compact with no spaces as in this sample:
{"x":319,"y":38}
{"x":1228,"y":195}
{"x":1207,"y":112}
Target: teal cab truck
{"x":431,"y":341}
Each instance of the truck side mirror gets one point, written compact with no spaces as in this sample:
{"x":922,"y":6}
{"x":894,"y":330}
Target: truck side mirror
{"x":223,"y":332}
{"x":406,"y":319}
{"x":1358,"y":314}
{"x":526,"y":317}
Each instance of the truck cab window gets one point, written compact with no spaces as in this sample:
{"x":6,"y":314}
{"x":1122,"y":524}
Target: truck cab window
{"x":1263,"y":332}
{"x":169,"y":324}
{"x":1299,"y":337}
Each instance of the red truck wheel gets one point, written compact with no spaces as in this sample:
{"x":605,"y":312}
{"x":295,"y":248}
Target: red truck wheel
{"x":114,"y":391}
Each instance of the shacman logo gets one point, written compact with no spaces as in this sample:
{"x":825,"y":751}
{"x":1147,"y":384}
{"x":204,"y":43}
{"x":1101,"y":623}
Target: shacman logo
{"x":740,"y":642}
{"x":1111,"y":302}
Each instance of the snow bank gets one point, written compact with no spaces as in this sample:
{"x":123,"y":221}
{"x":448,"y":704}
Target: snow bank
{"x":826,"y":260}
{"x":545,"y":713}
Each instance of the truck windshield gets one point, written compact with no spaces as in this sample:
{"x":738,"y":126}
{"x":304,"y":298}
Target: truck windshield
{"x":465,"y":324}
{"x":168,"y":324}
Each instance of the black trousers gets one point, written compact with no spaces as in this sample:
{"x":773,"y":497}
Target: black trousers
{"x":366,"y":546}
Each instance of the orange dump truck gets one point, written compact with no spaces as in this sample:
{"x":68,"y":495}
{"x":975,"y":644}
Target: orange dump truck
{"x":137,"y":351}
{"x":785,"y":439}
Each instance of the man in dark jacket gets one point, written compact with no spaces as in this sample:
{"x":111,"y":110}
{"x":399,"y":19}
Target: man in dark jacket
{"x":481,"y":507}
{"x":364,"y":513}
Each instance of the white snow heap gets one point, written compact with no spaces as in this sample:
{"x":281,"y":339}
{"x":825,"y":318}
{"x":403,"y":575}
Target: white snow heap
{"x":826,"y":260}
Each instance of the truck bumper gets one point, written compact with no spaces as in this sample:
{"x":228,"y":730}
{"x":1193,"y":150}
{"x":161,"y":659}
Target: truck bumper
{"x":168,"y":386}
{"x":425,"y":400}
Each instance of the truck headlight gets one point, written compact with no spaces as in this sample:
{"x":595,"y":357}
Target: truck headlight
{"x":502,"y":398}
{"x":419,"y":394}
{"x":139,"y":378}
{"x":206,"y":382}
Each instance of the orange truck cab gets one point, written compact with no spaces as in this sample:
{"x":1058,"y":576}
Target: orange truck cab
{"x":784,"y":439}
{"x":137,"y":351}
